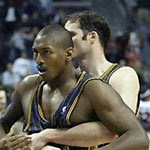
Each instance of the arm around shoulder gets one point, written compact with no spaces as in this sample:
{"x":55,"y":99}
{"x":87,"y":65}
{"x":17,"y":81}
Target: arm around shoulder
{"x":117,"y":117}
{"x":83,"y":135}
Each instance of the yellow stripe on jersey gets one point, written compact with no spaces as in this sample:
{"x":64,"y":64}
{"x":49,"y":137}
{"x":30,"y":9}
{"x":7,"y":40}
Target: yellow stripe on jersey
{"x":30,"y":104}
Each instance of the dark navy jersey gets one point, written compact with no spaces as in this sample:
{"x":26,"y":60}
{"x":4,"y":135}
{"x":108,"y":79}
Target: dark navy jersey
{"x":61,"y":118}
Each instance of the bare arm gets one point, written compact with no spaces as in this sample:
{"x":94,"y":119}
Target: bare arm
{"x":75,"y":136}
{"x":13,"y":113}
{"x":113,"y":113}
{"x":84,"y":138}
{"x":15,"y":110}
{"x":12,"y":142}
{"x":125,"y":82}
{"x":118,"y":118}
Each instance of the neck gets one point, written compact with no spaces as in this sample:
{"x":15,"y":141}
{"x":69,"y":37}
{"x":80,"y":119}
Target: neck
{"x":65,"y":82}
{"x":95,"y":62}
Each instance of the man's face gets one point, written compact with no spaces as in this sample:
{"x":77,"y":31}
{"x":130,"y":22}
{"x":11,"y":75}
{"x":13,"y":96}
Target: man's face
{"x":81,"y":46}
{"x":50,"y":58}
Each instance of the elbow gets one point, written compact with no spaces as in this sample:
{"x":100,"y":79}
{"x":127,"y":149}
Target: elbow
{"x":143,"y":141}
{"x":139,"y":140}
{"x":4,"y":125}
{"x":146,"y":143}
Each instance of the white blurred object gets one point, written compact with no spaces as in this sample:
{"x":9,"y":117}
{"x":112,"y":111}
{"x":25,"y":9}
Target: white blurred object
{"x":22,"y":66}
{"x":146,"y":94}
{"x":11,"y":17}
{"x":3,"y":101}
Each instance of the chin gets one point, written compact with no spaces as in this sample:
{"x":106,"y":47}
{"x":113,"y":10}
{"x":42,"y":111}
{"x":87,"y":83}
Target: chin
{"x":44,"y":77}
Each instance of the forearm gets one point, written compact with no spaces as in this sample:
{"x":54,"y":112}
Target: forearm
{"x":4,"y":128}
{"x":129,"y":141}
{"x":2,"y":132}
{"x":83,"y":135}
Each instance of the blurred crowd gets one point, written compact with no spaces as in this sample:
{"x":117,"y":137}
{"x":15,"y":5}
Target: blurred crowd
{"x":20,"y":21}
{"x":136,"y":51}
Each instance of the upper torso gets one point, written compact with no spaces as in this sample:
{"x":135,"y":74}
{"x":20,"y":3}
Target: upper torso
{"x":49,"y":102}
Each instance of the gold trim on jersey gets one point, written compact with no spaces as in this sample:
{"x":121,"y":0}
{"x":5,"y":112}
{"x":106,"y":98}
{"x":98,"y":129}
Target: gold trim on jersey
{"x":30,"y":104}
{"x":39,"y":107}
{"x":93,"y":147}
{"x":71,"y":109}
{"x":137,"y":113}
{"x":76,"y":100}
{"x":41,"y":113}
{"x":81,"y":77}
{"x":111,"y":72}
{"x":107,"y":71}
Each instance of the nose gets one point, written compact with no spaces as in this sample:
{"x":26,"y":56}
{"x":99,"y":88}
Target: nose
{"x":39,"y":59}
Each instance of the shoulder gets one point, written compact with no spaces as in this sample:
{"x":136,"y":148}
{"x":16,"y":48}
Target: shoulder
{"x":124,"y":74}
{"x":125,"y":71}
{"x":31,"y":79}
{"x":100,"y":94}
{"x":96,"y":88}
{"x":28,"y":83}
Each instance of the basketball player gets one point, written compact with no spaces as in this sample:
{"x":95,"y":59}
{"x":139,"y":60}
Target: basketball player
{"x":90,"y":34}
{"x":60,"y":97}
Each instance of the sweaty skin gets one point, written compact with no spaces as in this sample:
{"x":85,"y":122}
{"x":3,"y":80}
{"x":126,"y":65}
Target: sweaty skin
{"x":124,"y":81}
{"x":121,"y":120}
{"x":90,"y":49}
{"x":97,"y":101}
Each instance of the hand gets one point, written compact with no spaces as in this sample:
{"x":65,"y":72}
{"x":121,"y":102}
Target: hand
{"x":48,"y":147}
{"x":37,"y":141}
{"x":15,"y":142}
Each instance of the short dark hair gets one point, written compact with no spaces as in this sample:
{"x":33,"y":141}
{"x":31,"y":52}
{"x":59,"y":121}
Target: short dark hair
{"x":92,"y":21}
{"x":58,"y":35}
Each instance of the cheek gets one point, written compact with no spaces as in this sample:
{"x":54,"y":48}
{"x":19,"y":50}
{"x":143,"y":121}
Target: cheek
{"x":56,"y":65}
{"x":34,"y":57}
{"x":77,"y":44}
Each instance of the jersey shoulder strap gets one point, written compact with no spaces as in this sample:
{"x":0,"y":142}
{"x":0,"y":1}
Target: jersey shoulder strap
{"x":108,"y":73}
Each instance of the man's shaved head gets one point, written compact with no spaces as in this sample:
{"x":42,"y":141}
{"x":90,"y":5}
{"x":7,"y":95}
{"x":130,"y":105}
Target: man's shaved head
{"x":57,"y":34}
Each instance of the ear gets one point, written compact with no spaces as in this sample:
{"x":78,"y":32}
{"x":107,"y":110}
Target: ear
{"x":69,"y":53}
{"x":92,"y":36}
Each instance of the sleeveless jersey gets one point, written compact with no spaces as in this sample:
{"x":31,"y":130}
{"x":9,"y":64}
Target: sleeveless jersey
{"x":61,"y":118}
{"x":106,"y":77}
{"x":108,"y":73}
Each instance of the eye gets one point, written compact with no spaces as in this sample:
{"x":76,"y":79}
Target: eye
{"x":35,"y":51}
{"x":47,"y":51}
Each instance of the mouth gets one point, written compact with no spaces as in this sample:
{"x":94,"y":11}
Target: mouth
{"x":41,"y":70}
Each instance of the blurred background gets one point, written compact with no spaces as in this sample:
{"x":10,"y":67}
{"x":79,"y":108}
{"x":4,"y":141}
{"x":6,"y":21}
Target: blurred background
{"x":20,"y":21}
